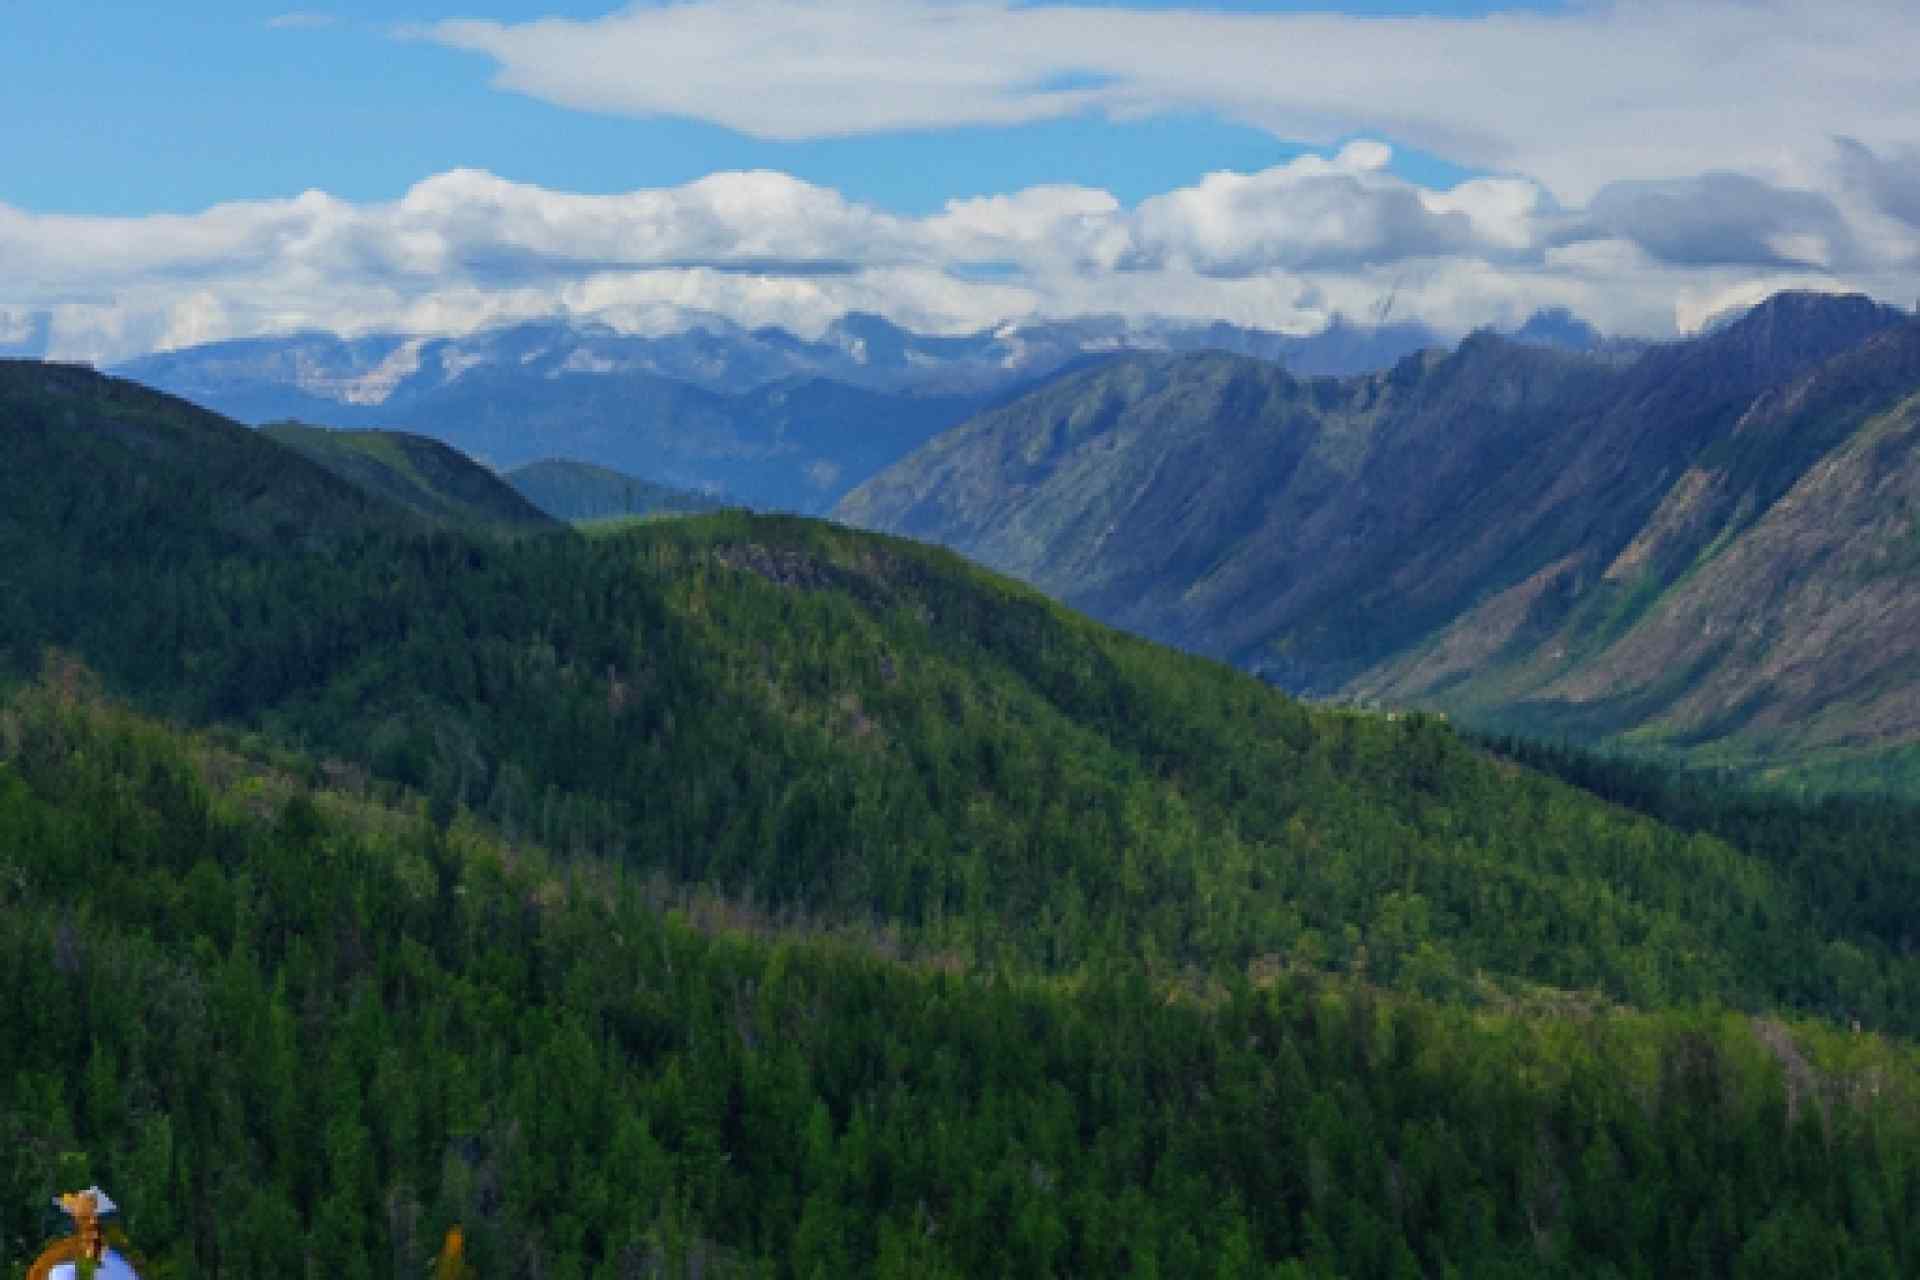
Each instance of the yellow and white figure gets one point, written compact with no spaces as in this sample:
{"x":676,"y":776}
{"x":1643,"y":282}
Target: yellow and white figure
{"x":67,"y":1259}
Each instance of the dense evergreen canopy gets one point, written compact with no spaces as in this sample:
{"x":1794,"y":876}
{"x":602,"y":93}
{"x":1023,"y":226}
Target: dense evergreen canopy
{"x":299,"y":1032}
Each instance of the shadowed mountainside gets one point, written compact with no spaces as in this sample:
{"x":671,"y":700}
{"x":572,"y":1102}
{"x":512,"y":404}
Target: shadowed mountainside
{"x":1766,"y":611}
{"x":1324,"y":531}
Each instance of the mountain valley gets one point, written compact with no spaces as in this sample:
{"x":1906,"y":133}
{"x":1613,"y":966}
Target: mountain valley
{"x":960,"y":640}
{"x":742,"y":894}
{"x":388,"y":874}
{"x":1502,"y":531}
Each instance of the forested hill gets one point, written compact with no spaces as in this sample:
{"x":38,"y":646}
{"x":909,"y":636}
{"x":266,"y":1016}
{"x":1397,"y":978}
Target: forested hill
{"x":853,"y":727}
{"x":296,"y":1031}
{"x":1140,"y":965}
{"x":422,"y":475}
{"x":93,"y":462}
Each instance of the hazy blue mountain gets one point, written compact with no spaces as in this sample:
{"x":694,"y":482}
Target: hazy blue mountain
{"x":793,"y":446}
{"x":260,"y":378}
{"x":1559,"y":327}
{"x":303,"y":377}
{"x":771,"y":418}
{"x":569,"y":490}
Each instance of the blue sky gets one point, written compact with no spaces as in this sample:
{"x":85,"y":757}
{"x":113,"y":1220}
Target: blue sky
{"x":172,"y":174}
{"x":130,"y":108}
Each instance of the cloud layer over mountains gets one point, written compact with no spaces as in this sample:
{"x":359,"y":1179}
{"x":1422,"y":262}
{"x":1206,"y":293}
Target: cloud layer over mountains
{"x":1285,"y":248}
{"x":1598,"y":92}
{"x":1651,"y":165}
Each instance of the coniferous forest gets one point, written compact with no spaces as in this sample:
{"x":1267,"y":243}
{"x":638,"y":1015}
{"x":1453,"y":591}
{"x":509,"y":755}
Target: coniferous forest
{"x":747,"y":896}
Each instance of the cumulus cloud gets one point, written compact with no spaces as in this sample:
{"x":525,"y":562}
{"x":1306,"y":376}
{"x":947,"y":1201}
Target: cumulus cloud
{"x":1309,"y":215}
{"x":1609,"y":91}
{"x":1037,"y":227}
{"x":1287,"y":248}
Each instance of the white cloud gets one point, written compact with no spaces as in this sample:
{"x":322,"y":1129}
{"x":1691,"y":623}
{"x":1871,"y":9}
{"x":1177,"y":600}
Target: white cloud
{"x":1606,"y":91}
{"x":1285,"y":248}
{"x":1653,"y":162}
{"x":1308,"y":214}
{"x":1035,"y":216}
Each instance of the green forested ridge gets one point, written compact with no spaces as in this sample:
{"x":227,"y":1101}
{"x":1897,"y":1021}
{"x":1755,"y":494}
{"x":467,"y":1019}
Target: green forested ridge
{"x":855,"y":727}
{"x":847,"y":727}
{"x":422,"y":475}
{"x":1077,"y":956}
{"x":95,"y":462}
{"x":299,"y":1033}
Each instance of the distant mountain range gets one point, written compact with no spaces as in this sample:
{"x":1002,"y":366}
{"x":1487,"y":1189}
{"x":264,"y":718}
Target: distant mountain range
{"x":1709,"y":545}
{"x":762,"y":416}
{"x":256,"y":379}
{"x":521,"y":395}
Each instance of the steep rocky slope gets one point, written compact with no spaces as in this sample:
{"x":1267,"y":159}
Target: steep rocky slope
{"x":1768,"y":608}
{"x":1497,"y":511}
